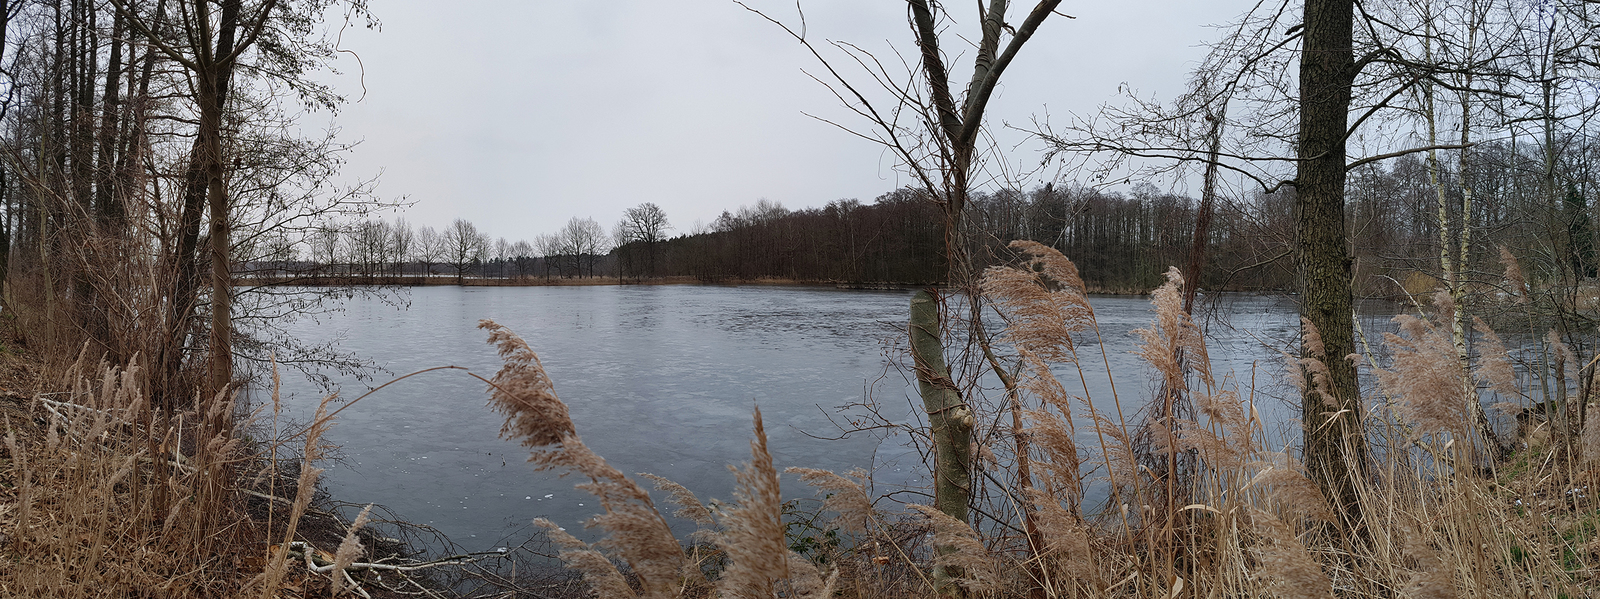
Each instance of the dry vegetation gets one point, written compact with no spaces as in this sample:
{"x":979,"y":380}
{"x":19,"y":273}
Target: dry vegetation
{"x":102,"y":496}
{"x":1443,"y":516}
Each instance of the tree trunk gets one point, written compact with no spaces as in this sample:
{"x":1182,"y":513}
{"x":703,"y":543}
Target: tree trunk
{"x":203,"y":185}
{"x":1208,"y":200}
{"x":1335,"y":449}
{"x":108,"y":204}
{"x":949,"y":418}
{"x":5,"y":192}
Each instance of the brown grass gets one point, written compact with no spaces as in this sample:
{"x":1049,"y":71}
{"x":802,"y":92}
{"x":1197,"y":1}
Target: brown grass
{"x":104,"y":495}
{"x":97,"y":504}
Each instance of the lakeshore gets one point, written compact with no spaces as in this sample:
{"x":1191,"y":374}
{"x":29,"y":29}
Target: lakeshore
{"x":600,"y":281}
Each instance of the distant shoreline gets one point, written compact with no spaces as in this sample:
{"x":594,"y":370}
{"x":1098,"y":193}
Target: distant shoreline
{"x":473,"y":281}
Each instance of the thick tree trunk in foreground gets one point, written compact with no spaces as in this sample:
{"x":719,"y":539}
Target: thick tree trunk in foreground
{"x":949,"y":418}
{"x":1335,"y":450}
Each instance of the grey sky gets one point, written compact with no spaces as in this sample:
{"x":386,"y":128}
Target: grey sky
{"x":518,"y":115}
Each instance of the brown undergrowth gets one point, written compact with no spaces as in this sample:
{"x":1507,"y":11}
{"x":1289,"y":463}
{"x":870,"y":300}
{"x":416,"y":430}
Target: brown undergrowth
{"x":103,"y":496}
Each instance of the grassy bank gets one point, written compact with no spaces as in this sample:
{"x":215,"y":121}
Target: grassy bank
{"x":103,"y":496}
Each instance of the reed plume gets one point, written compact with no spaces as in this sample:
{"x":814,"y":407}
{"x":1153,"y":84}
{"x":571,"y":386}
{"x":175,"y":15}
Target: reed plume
{"x":602,"y":575}
{"x":1121,"y":458}
{"x":1514,"y":277}
{"x":1589,"y":443}
{"x":1426,"y":375}
{"x":961,"y":552}
{"x":1044,"y":300}
{"x":1562,"y":355}
{"x":1045,"y":307}
{"x":752,"y":533}
{"x":1313,"y":366}
{"x":1288,"y":486}
{"x":636,"y":531}
{"x":806,"y":581}
{"x":1292,"y":572}
{"x":522,"y":391}
{"x":1494,"y":362}
{"x":1224,"y":440}
{"x":1175,"y":343}
{"x":349,"y":549}
{"x":1052,"y":432}
{"x":846,"y":497}
{"x":1066,"y":538}
{"x":689,"y":506}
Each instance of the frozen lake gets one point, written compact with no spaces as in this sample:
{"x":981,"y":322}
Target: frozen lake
{"x":662,"y":379}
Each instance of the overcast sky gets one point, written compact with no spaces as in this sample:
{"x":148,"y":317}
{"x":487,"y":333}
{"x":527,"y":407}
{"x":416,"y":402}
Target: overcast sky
{"x":520,"y":114}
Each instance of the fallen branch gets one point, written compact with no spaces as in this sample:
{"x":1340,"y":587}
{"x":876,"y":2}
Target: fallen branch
{"x":299,"y":548}
{"x":310,"y":557}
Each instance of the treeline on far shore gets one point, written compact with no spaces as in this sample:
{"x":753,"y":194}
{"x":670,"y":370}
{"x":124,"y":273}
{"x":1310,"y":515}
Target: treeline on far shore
{"x":1125,"y":241}
{"x":1121,"y":241}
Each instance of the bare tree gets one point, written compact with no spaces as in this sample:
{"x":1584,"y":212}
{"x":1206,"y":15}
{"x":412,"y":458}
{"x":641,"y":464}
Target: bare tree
{"x":522,"y":253}
{"x":209,"y":49}
{"x":402,"y":244}
{"x":646,"y":225}
{"x":935,"y":133}
{"x":368,"y":244}
{"x":584,"y":240}
{"x":464,"y":247}
{"x":327,"y":247}
{"x":550,"y":247}
{"x":429,"y":249}
{"x":502,"y":254}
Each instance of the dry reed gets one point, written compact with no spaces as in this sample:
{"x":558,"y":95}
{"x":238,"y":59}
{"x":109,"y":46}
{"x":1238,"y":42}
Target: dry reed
{"x":349,"y":549}
{"x":1291,"y":571}
{"x":1426,"y":376}
{"x":1044,"y":299}
{"x":753,"y":538}
{"x":1514,"y":276}
{"x":689,"y":506}
{"x":1253,"y":524}
{"x":845,"y":497}
{"x":97,"y":507}
{"x":964,"y":558}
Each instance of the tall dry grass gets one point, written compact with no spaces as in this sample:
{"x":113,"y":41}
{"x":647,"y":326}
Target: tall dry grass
{"x":104,"y":495}
{"x":112,"y":499}
{"x":1241,"y":519}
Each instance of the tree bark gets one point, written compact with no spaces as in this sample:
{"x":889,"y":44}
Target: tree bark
{"x":949,"y":418}
{"x":108,"y":203}
{"x":203,"y":186}
{"x":5,"y":196}
{"x":1335,"y":448}
{"x":958,"y":126}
